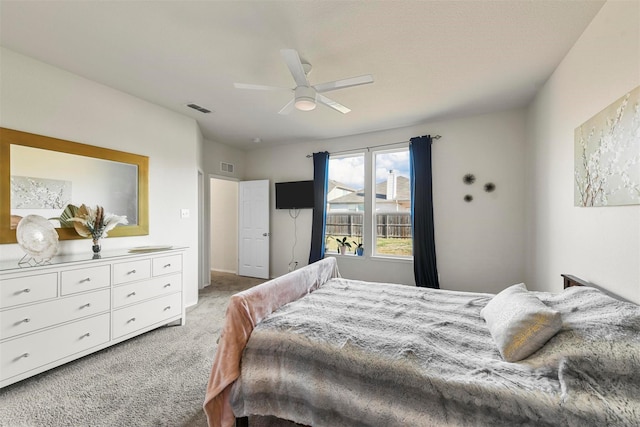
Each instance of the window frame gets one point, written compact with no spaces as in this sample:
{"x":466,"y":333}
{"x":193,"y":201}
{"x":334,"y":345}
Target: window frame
{"x":369,"y":237}
{"x":354,"y":153}
{"x":372,"y":212}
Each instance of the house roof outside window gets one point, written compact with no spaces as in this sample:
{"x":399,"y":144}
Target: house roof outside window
{"x":351,"y":200}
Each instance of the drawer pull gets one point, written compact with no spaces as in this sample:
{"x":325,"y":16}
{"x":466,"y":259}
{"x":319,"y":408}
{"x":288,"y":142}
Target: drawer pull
{"x":133,"y":319}
{"x":25,"y":290}
{"x":87,"y":305}
{"x":87,"y":335}
{"x":131,"y":272}
{"x":167,"y":308}
{"x":88,"y":279}
{"x":167,"y":265}
{"x":25,"y":320}
{"x":22,"y":356}
{"x":167,"y":285}
{"x":131,"y":294}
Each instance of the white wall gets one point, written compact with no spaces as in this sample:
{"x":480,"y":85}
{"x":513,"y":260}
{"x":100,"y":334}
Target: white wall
{"x":480,"y":245}
{"x":224,"y":225}
{"x":601,"y":245}
{"x":215,"y":153}
{"x":45,"y":100}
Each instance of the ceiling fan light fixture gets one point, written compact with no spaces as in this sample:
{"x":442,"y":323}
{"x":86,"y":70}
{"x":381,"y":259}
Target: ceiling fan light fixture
{"x":305,"y":98}
{"x":305,"y":104}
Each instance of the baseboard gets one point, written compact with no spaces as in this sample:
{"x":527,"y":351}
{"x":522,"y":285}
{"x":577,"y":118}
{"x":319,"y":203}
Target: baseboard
{"x":224,"y":271}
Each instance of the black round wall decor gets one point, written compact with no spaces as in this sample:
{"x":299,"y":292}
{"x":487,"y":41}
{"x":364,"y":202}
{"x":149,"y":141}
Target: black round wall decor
{"x":468,"y":198}
{"x":489,"y":187}
{"x":469,"y":179}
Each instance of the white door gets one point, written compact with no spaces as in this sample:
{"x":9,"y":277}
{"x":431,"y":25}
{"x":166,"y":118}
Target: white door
{"x":253,"y":229}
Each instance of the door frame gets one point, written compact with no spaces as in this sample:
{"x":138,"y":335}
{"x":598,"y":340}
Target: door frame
{"x":209,"y":231}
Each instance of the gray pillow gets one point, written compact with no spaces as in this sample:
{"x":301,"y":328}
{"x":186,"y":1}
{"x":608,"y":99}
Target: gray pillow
{"x":519,"y":322}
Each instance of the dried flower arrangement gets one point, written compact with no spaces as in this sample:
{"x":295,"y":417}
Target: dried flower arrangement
{"x":95,"y":223}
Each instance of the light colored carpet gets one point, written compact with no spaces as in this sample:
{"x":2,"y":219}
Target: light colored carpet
{"x":156,"y":379}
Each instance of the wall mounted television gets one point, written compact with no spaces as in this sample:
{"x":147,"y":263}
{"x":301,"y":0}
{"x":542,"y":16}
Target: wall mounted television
{"x":294,"y":195}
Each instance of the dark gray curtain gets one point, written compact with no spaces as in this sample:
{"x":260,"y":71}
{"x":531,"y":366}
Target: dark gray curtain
{"x":424,"y":246}
{"x":320,"y":174}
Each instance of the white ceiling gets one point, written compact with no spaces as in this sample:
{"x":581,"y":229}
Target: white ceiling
{"x":429,"y":59}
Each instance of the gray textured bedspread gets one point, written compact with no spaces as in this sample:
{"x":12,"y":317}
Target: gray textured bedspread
{"x":356,"y":353}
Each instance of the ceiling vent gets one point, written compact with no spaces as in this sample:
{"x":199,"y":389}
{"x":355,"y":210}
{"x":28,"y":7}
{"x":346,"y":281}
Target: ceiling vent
{"x":199,"y":108}
{"x":226,"y":167}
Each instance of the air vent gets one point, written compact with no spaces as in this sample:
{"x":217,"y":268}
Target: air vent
{"x":226,"y":167}
{"x":199,"y":108}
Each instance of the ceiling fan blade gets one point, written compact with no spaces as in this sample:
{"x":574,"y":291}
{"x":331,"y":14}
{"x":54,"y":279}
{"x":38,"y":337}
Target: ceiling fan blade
{"x":331,"y":103}
{"x":287,"y":108}
{"x":292,"y":59}
{"x":344,"y":83}
{"x":258,"y":87}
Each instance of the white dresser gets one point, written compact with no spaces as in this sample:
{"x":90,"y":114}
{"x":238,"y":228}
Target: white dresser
{"x":74,"y":306}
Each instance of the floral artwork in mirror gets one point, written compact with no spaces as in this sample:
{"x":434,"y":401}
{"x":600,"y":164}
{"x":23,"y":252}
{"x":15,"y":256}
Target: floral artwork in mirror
{"x":607,"y":155}
{"x":39,"y":193}
{"x":42,"y":176}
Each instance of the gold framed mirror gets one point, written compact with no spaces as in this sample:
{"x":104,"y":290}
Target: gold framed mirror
{"x":41,"y":175}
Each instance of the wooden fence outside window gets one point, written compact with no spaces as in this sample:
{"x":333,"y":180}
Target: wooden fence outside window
{"x":388,"y":224}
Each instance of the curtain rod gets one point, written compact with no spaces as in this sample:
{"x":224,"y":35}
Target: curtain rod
{"x":373,"y":146}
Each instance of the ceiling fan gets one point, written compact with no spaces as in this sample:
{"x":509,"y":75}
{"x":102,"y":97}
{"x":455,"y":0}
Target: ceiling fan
{"x":306,"y":95}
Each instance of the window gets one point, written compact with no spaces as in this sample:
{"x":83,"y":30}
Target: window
{"x":345,"y":202}
{"x":373,"y":213}
{"x":392,"y":204}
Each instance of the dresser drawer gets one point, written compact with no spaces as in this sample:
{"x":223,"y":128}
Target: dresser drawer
{"x":140,"y":291}
{"x":85,"y":279}
{"x":131,"y":271}
{"x":30,"y":352}
{"x":132,"y":318}
{"x":167,"y":265}
{"x":23,"y":290}
{"x":32,"y":317}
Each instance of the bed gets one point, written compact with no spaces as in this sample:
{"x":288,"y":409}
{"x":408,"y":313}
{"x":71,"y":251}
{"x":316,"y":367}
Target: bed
{"x":321,"y":350}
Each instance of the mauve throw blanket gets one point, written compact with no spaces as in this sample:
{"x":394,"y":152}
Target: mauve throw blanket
{"x":245,"y":310}
{"x":355,"y":353}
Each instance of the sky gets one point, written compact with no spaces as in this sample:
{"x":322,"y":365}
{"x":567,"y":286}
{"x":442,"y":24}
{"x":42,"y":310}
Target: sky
{"x":350,"y":170}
